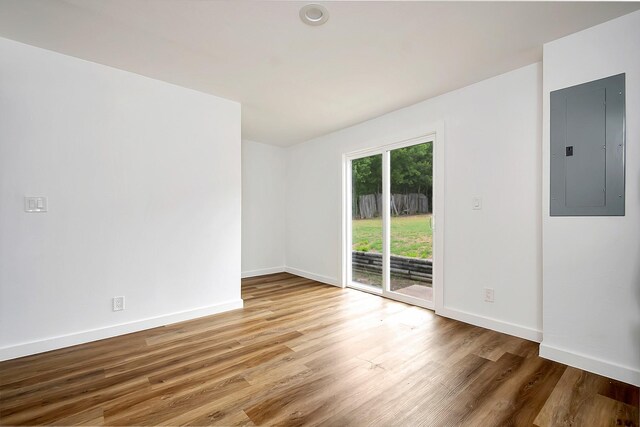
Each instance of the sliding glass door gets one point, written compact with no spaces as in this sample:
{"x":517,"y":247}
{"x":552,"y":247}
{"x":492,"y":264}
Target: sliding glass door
{"x":366,"y":191}
{"x":390,"y":222}
{"x":410,"y":213}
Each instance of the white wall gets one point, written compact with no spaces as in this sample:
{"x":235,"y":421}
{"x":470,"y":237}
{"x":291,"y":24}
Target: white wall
{"x":143,"y":183}
{"x":592,"y":264}
{"x":492,"y":144}
{"x":263,"y":208}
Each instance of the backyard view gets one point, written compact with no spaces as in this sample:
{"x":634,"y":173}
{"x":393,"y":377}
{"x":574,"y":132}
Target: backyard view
{"x":412,"y":234}
{"x":410,"y":212}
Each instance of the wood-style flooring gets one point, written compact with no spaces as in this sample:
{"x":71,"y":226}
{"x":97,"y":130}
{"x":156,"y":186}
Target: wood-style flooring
{"x":303,"y":353}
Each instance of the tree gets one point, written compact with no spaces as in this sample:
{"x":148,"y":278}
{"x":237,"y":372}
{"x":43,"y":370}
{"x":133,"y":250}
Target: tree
{"x":367,"y":175}
{"x":411,"y":172}
{"x":412,"y":169}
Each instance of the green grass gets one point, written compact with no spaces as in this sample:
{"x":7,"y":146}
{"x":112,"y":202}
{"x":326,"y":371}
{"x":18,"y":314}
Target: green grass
{"x":410,"y":235}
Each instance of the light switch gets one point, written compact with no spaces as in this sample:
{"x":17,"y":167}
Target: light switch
{"x":35,"y":204}
{"x":476,"y":203}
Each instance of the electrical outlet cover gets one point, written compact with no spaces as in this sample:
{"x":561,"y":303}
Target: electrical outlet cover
{"x":118,"y":303}
{"x":488,"y":294}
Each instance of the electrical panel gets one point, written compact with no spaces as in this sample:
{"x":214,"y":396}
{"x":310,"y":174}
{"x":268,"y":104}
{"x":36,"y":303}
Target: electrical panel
{"x":588,"y":149}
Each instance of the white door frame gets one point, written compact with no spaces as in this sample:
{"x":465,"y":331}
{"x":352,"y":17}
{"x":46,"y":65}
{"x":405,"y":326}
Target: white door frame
{"x":436,"y":136}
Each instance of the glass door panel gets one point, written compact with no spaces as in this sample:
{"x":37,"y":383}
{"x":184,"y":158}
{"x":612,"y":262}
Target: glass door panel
{"x":410,"y":211}
{"x":366,"y":222}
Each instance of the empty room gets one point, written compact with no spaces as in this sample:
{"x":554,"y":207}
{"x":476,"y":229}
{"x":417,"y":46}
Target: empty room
{"x":323,"y":213}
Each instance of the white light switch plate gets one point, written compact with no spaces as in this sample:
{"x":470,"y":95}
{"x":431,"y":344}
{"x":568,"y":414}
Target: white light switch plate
{"x":35,"y":204}
{"x":476,"y":203}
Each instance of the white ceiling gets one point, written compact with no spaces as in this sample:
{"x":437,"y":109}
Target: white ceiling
{"x":295,"y":81}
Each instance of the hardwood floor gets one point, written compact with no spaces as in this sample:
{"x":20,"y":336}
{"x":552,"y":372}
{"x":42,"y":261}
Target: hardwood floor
{"x":303,"y":353}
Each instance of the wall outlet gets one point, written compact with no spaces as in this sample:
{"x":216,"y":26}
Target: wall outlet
{"x":488,"y":294}
{"x":118,"y":303}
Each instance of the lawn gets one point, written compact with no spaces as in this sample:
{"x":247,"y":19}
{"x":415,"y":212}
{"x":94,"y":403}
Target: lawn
{"x":411,"y":236}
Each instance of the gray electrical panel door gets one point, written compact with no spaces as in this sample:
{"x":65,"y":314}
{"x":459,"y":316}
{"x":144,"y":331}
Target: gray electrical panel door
{"x":587,"y":149}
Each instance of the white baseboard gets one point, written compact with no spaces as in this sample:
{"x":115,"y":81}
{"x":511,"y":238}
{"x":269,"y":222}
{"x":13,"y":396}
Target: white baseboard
{"x":53,"y":343}
{"x":262,"y":271}
{"x":313,"y":276}
{"x":493,"y":324}
{"x":591,"y":364}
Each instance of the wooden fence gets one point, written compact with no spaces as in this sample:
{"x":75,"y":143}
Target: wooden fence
{"x":420,"y":270}
{"x":370,"y":205}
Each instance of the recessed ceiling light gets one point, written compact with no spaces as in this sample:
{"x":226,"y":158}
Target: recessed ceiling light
{"x":314,"y":14}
